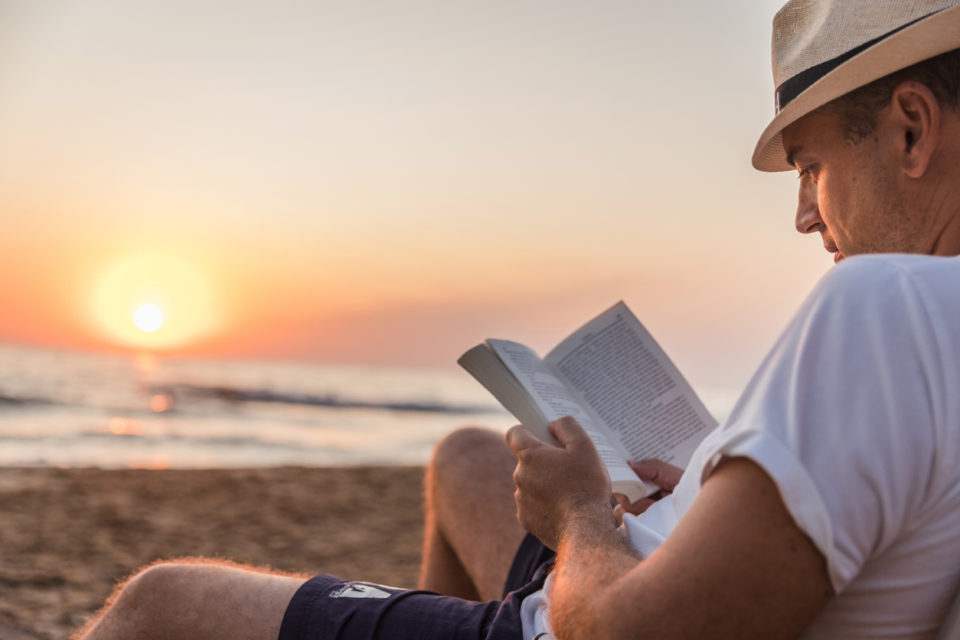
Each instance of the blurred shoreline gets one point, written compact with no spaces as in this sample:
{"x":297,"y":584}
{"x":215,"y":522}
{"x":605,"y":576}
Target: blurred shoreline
{"x":68,"y":535}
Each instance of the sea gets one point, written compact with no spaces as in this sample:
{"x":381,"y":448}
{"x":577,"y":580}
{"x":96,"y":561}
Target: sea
{"x":79,"y":409}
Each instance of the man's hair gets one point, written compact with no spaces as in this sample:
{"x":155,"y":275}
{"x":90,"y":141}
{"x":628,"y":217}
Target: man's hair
{"x":858,"y":109}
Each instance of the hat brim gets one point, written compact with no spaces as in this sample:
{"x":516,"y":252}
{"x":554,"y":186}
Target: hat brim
{"x":927,"y":38}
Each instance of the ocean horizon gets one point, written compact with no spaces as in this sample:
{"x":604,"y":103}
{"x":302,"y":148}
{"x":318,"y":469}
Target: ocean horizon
{"x":81,"y":409}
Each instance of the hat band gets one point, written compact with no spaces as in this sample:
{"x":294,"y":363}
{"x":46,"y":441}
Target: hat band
{"x":793,"y":87}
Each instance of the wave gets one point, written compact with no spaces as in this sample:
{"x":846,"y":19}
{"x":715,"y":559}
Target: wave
{"x":179,"y":395}
{"x":168,"y":438}
{"x":23,"y":401}
{"x":181,"y":392}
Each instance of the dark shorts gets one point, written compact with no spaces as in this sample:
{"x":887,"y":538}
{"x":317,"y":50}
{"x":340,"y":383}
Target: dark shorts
{"x":328,"y":608}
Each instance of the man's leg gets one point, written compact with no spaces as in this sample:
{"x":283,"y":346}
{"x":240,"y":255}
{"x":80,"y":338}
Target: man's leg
{"x":196,"y":600}
{"x":471,"y":531}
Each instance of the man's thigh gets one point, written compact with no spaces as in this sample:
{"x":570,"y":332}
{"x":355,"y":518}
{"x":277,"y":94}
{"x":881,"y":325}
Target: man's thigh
{"x":328,"y":608}
{"x":197,"y":600}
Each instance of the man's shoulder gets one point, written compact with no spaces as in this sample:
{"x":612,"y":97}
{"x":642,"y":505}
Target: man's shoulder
{"x":889,"y":273}
{"x":871,"y":295}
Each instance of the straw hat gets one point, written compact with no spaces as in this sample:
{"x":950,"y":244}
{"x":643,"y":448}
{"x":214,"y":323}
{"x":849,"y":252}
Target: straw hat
{"x":823,"y":49}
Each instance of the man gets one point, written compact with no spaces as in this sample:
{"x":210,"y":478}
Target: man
{"x":828,"y":505}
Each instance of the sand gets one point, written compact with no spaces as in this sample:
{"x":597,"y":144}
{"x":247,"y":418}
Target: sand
{"x":68,"y":535}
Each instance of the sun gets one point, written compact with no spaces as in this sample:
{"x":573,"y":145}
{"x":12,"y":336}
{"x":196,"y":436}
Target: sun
{"x":148,"y":318}
{"x":153,"y":301}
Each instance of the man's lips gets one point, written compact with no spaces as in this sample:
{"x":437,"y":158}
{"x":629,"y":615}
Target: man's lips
{"x":832,"y":248}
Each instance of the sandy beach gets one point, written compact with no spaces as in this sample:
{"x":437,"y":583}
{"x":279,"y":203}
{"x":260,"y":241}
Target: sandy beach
{"x":68,"y":535}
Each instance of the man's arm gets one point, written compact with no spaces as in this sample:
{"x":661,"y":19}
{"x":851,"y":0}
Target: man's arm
{"x":735,"y":566}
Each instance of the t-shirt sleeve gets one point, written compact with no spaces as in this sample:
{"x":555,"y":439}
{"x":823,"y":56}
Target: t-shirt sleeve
{"x":841,"y":413}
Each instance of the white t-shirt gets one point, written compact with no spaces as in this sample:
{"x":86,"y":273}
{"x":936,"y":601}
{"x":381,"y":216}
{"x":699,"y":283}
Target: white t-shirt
{"x":855,"y":415}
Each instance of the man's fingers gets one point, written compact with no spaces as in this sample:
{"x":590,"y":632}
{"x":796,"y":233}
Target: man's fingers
{"x":664,"y":475}
{"x":624,"y":506}
{"x":568,"y":432}
{"x":519,"y":439}
{"x":638,"y":507}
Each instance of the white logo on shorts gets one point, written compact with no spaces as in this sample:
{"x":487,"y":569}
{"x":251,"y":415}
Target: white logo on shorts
{"x":360,"y":590}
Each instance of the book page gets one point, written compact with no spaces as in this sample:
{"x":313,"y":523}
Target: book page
{"x":555,"y":401}
{"x":484,"y":365}
{"x":619,"y":370}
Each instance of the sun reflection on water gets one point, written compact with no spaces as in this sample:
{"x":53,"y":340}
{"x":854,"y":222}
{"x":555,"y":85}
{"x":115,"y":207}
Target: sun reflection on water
{"x":125,"y":426}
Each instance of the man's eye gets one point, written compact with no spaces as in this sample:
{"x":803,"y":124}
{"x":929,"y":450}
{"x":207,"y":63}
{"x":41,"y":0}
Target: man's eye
{"x":806,"y":172}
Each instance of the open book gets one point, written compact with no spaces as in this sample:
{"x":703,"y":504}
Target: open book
{"x":617,"y":382}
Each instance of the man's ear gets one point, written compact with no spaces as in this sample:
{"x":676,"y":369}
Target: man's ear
{"x":916,"y":115}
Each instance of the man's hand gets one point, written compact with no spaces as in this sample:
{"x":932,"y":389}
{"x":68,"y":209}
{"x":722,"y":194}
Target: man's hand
{"x":664,"y":475}
{"x":557,"y":486}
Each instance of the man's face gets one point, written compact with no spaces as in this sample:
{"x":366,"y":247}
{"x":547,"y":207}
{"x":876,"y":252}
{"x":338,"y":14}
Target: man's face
{"x":850,"y":192}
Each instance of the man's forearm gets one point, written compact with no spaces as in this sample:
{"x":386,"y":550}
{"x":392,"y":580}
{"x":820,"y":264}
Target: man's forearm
{"x":591,"y":557}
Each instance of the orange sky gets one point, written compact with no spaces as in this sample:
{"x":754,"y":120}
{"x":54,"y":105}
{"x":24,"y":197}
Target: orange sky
{"x":391,"y":183}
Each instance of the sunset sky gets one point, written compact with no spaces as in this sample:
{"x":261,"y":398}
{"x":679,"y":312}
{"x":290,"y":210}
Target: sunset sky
{"x":392,"y":182}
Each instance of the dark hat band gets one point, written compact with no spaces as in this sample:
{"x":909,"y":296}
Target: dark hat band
{"x":794,"y":86}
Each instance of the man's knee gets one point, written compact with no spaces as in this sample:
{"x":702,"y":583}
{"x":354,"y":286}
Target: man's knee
{"x":470,"y":462}
{"x":455,"y":445}
{"x":467,"y":447}
{"x":142,"y":603}
{"x":154,"y":590}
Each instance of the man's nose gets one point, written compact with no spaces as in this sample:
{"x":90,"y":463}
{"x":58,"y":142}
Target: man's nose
{"x":808,"y":210}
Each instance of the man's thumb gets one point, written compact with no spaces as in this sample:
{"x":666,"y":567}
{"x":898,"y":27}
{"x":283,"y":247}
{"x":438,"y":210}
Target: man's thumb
{"x":519,"y":438}
{"x":568,"y":432}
